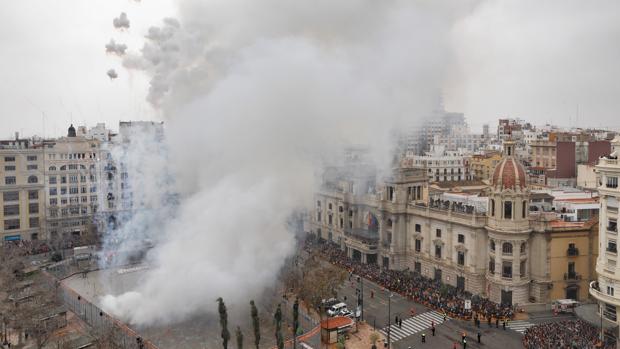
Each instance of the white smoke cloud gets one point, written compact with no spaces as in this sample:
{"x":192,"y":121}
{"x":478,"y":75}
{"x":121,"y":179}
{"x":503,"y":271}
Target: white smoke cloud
{"x":255,"y":100}
{"x":121,"y":22}
{"x":112,"y":74}
{"x":114,"y":48}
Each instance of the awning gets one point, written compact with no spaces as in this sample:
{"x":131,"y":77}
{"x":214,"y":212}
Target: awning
{"x":12,"y":238}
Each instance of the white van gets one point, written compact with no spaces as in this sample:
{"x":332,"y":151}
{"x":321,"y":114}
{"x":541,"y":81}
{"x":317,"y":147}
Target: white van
{"x":336,"y":309}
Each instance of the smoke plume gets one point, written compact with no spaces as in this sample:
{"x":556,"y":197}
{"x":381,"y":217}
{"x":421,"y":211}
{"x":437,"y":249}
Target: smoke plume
{"x":255,"y":100}
{"x":112,"y":74}
{"x":114,"y":48}
{"x":121,"y":22}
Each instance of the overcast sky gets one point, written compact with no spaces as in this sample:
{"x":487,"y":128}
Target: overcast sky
{"x":538,"y":60}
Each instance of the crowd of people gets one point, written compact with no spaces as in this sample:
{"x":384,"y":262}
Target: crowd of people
{"x":432,"y":293}
{"x":568,"y":334}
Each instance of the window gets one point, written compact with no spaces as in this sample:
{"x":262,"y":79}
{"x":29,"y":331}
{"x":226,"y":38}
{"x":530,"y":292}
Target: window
{"x":389,"y":223}
{"x":318,"y":204}
{"x":32,"y":167}
{"x":461,"y":258}
{"x":350,"y":213}
{"x":612,"y":225}
{"x":10,"y":196}
{"x":33,"y":208}
{"x":9,"y":159}
{"x":74,"y":200}
{"x":63,"y":201}
{"x":318,"y":216}
{"x":33,"y":194}
{"x":438,"y":233}
{"x":329,"y":219}
{"x":522,"y":248}
{"x":612,"y":182}
{"x":9,"y":168}
{"x":507,"y":209}
{"x":492,"y":265}
{"x":93,"y":198}
{"x":492,"y":207}
{"x":31,"y":158}
{"x":53,"y":202}
{"x":418,"y":228}
{"x":63,"y":190}
{"x":461,"y":239}
{"x":10,"y":180}
{"x":53,"y":191}
{"x":610,"y":312}
{"x":610,"y":290}
{"x":341,"y":222}
{"x":33,"y":179}
{"x":11,"y":210}
{"x":611,"y":246}
{"x":507,"y":269}
{"x":418,"y":245}
{"x":437,"y":251}
{"x":52,"y":168}
{"x":522,"y":269}
{"x":340,"y":209}
{"x":73,"y":179}
{"x":329,"y":206}
{"x":11,"y":224}
{"x":507,"y":248}
{"x":84,"y":199}
{"x":74,"y":190}
{"x":33,"y":222}
{"x":417,"y":267}
{"x":492,"y":245}
{"x":52,"y":179}
{"x":73,"y":167}
{"x":82,"y":178}
{"x":63,"y":179}
{"x":524,"y":209}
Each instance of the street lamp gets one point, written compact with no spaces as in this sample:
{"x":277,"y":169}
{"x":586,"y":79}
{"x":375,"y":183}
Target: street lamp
{"x":360,"y":295}
{"x":389,"y":319}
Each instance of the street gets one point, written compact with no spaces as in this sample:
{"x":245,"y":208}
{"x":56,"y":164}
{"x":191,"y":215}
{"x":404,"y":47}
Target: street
{"x":409,"y":335}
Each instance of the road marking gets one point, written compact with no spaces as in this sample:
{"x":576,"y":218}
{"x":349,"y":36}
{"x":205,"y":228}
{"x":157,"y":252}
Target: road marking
{"x":413,"y":325}
{"x":519,"y":325}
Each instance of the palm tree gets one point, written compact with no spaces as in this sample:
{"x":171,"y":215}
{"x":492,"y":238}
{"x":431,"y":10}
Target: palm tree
{"x":224,"y":322}
{"x":239,"y":338}
{"x":255,"y":323}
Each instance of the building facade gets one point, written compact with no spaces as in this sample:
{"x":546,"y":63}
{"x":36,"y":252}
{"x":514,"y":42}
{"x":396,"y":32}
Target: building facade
{"x":607,"y":267}
{"x":501,"y":251}
{"x":481,"y":166}
{"x":21,"y":191}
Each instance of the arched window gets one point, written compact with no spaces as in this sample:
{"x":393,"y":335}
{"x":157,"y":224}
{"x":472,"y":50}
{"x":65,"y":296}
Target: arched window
{"x":52,"y":168}
{"x":33,"y":179}
{"x":507,"y":248}
{"x":63,"y":167}
{"x":492,"y":207}
{"x":524,"y":209}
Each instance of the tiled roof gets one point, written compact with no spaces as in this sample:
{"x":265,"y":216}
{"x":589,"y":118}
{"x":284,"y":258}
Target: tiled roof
{"x":509,"y":174}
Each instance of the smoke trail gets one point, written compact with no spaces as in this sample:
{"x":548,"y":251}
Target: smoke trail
{"x":255,"y":101}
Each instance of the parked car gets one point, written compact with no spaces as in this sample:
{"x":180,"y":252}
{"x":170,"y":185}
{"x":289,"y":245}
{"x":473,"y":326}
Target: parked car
{"x":327,"y":303}
{"x":336,"y":309}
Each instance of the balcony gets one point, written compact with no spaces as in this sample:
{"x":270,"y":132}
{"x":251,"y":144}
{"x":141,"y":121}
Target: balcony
{"x":572,"y":277}
{"x":596,"y":293}
{"x":572,"y":252}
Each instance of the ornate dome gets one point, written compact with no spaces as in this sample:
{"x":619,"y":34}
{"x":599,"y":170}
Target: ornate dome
{"x":509,"y":173}
{"x":71,"y":131}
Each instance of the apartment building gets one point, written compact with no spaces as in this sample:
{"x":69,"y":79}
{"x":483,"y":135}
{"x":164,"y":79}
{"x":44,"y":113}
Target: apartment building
{"x":73,"y":174}
{"x":21,"y":191}
{"x":481,"y":166}
{"x":607,"y":266}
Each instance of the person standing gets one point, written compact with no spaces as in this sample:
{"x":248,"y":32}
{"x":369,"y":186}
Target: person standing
{"x":464,"y":343}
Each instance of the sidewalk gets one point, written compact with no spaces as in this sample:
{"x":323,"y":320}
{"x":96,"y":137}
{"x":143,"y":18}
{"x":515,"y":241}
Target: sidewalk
{"x":361,"y":339}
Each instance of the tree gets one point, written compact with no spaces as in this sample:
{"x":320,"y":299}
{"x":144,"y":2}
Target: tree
{"x":295,"y":320}
{"x":223,"y":322}
{"x":278,"y":321}
{"x":239,"y":338}
{"x":255,"y":323}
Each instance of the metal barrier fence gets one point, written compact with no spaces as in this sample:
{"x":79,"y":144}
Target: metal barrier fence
{"x":103,"y":325}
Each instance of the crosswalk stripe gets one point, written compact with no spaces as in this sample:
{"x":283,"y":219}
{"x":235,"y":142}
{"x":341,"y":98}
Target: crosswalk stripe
{"x":519,"y":325}
{"x":413,"y":325}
